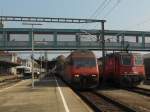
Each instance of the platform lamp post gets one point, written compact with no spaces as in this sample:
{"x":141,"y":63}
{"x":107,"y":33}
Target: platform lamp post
{"x":32,"y":55}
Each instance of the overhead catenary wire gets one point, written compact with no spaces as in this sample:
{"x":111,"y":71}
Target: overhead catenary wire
{"x":135,"y":25}
{"x":87,"y":33}
{"x":98,"y":8}
{"x":103,"y":8}
{"x":129,"y":26}
{"x":112,"y":9}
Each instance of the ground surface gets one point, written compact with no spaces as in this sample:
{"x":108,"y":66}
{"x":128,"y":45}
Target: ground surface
{"x":46,"y":97}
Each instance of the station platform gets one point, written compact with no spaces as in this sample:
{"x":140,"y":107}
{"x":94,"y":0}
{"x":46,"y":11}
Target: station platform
{"x":49,"y":95}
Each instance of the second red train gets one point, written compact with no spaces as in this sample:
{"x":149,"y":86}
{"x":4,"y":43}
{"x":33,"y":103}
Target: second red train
{"x":122,"y":68}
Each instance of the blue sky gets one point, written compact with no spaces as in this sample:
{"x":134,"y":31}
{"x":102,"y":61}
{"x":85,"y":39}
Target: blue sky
{"x":127,"y":15}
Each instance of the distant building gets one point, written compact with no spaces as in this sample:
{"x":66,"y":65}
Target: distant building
{"x":26,"y":62}
{"x":1,"y":24}
{"x":8,"y":61}
{"x":8,"y":57}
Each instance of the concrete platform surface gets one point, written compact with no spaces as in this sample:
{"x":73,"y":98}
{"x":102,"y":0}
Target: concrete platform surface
{"x":49,"y":95}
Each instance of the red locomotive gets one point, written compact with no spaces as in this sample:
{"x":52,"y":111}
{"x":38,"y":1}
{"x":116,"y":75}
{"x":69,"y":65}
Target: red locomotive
{"x":81,"y":69}
{"x":125,"y":69}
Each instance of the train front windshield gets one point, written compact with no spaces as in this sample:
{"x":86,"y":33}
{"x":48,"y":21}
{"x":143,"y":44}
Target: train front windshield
{"x":84,"y":62}
{"x":126,"y":59}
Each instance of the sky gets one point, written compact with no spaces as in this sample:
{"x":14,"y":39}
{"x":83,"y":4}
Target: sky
{"x":119,"y":14}
{"x":127,"y":14}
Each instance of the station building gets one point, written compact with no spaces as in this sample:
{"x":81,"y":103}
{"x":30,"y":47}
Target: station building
{"x":8,"y":62}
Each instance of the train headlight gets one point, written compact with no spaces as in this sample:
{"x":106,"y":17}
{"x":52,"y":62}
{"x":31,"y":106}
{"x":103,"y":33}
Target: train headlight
{"x":77,"y":75}
{"x":135,"y":72}
{"x":93,"y":75}
{"x":125,"y":72}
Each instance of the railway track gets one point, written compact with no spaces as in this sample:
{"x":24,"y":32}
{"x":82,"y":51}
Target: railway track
{"x":8,"y":83}
{"x":141,"y":91}
{"x":101,"y":103}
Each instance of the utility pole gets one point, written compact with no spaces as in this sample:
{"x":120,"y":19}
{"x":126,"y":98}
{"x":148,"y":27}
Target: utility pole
{"x":103,"y":44}
{"x":40,"y":59}
{"x":32,"y":55}
{"x":46,"y":59}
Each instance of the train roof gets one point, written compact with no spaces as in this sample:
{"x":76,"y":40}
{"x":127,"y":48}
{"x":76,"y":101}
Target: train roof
{"x":82,"y":53}
{"x":60,"y":57}
{"x":123,"y":53}
{"x":120,"y":53}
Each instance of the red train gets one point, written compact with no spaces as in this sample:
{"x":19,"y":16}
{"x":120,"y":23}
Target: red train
{"x":80,"y":69}
{"x":125,"y":69}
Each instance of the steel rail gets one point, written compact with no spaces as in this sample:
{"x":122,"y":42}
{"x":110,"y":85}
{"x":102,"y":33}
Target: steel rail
{"x":142,"y":91}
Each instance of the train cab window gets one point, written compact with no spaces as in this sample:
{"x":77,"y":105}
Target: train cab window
{"x":126,"y":59}
{"x":138,"y":60}
{"x":84,"y":62}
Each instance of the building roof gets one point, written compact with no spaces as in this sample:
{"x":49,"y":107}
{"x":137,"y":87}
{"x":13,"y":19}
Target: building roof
{"x":8,"y":64}
{"x":2,"y":53}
